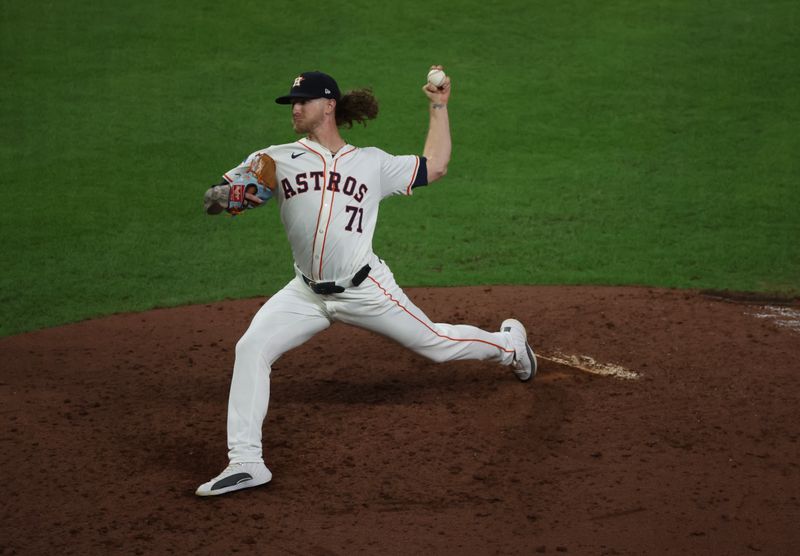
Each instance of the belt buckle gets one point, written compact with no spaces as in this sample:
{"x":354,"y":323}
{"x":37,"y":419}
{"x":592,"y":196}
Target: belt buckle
{"x":322,"y":288}
{"x":319,"y":288}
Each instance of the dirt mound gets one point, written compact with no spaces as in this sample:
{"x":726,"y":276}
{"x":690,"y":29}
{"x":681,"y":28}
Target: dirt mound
{"x":110,"y":425}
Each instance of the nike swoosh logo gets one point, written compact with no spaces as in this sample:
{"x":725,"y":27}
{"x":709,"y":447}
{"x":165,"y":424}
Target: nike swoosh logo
{"x":231,"y":480}
{"x":295,"y":155}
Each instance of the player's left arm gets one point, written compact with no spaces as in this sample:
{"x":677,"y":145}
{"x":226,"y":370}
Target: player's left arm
{"x":438,"y":144}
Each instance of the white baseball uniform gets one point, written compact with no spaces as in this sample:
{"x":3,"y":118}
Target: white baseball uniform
{"x":329,"y":208}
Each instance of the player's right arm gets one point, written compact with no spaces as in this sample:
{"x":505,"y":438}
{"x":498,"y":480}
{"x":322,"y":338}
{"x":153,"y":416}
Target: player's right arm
{"x":438,"y":144}
{"x":218,"y":198}
{"x":221,"y":197}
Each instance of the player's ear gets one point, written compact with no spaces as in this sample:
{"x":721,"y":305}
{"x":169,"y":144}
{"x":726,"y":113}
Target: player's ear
{"x":331,"y":108}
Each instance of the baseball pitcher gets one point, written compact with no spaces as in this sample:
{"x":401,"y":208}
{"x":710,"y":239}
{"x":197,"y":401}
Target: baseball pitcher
{"x":328,"y":193}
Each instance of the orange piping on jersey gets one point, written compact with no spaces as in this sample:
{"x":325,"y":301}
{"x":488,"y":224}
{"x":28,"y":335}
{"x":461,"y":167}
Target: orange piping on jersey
{"x":413,"y":177}
{"x":330,"y":212}
{"x":319,"y":214}
{"x":412,"y":315}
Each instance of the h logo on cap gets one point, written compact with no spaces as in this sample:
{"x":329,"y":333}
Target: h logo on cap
{"x":298,"y":80}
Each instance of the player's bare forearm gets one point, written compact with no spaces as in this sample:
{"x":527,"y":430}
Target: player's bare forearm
{"x":438,"y":144}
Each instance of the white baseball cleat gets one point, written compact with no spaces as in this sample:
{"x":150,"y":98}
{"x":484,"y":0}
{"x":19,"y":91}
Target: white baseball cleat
{"x":524,"y":364}
{"x":236,"y":477}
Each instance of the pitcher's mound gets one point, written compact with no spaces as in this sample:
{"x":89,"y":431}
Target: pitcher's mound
{"x":109,"y":426}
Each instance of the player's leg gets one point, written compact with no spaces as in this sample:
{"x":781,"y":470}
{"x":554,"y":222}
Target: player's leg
{"x":380,"y":305}
{"x":288,"y":319}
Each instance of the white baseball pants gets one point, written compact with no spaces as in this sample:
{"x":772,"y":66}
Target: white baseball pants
{"x":294,"y":314}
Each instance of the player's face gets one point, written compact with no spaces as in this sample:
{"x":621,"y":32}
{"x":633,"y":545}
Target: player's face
{"x":307,"y":115}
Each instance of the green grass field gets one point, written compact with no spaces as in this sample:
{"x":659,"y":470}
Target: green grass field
{"x":623,"y":142}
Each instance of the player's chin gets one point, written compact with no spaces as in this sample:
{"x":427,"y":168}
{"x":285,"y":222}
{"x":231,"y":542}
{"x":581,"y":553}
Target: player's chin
{"x":299,"y":127}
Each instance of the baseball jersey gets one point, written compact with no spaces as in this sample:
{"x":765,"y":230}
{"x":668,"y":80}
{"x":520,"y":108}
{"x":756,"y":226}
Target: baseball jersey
{"x":329,"y":201}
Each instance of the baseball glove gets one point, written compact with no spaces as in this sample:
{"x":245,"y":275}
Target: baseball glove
{"x":255,"y":180}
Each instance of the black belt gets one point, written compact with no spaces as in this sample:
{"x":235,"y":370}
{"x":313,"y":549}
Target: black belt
{"x":327,"y":288}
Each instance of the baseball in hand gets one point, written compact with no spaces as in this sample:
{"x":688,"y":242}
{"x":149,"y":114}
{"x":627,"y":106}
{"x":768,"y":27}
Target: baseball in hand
{"x":436,"y":77}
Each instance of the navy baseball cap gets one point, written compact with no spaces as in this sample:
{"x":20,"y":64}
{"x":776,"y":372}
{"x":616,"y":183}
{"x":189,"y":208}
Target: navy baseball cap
{"x":311,"y":84}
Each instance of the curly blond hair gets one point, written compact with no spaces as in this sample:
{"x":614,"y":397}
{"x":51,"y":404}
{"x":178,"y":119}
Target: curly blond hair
{"x":358,"y":105}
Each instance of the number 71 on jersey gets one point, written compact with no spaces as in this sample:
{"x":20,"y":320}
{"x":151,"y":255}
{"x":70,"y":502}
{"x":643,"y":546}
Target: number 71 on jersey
{"x":354,"y":211}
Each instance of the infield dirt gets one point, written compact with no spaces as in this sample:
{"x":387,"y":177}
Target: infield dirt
{"x":109,"y":426}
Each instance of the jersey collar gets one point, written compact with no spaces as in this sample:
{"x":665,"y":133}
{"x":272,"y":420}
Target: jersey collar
{"x":305,"y":141}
